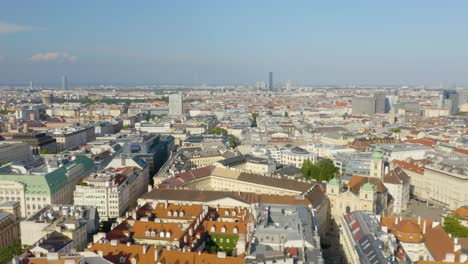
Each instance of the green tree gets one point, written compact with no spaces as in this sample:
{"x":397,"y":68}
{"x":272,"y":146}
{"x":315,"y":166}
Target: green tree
{"x":43,"y":151}
{"x":217,"y":131}
{"x":327,"y":170}
{"x":453,"y":226}
{"x":306,"y":168}
{"x":396,"y":130}
{"x":7,"y":253}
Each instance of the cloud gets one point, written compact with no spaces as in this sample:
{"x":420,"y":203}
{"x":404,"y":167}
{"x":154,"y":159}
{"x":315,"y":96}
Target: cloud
{"x":54,"y":56}
{"x":6,"y":28}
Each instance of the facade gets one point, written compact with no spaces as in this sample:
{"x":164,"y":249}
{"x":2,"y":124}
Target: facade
{"x":219,"y":179}
{"x":14,"y":152}
{"x":72,"y":138}
{"x":37,"y":188}
{"x":444,"y":183}
{"x":398,"y":185}
{"x":39,"y":142}
{"x":10,"y":215}
{"x":270,"y":82}
{"x":77,"y":223}
{"x":112,"y":192}
{"x":363,"y":105}
{"x":367,"y":194}
{"x":403,"y":151}
{"x":380,"y":98}
{"x":176,"y":106}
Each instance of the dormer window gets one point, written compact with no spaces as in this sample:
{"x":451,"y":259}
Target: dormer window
{"x":226,"y":213}
{"x":168,"y":234}
{"x":147,"y":233}
{"x":122,"y":259}
{"x":213,"y":229}
{"x":181,"y":214}
{"x":169,"y":213}
{"x":235,"y":230}
{"x":153,"y":234}
{"x":234,"y":213}
{"x":223,"y":229}
{"x":176,"y":214}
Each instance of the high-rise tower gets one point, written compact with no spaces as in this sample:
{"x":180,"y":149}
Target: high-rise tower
{"x":270,"y":82}
{"x":176,"y":107}
{"x":64,"y":82}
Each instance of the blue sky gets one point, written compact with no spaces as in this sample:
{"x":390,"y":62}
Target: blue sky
{"x":224,"y":42}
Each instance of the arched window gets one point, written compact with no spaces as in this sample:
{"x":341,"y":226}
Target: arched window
{"x":223,"y":229}
{"x":235,"y":230}
{"x":213,"y":229}
{"x":168,"y":234}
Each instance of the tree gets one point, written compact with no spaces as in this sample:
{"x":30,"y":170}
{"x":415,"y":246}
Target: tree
{"x":453,"y":226}
{"x":217,"y":131}
{"x":43,"y":151}
{"x":232,"y":141}
{"x":324,"y":170}
{"x":327,"y":170}
{"x":7,"y":253}
{"x":396,"y":130}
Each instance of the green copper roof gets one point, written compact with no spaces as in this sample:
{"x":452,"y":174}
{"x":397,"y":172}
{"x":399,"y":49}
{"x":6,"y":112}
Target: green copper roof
{"x":49,"y":183}
{"x":334,"y":181}
{"x":378,"y":154}
{"x":368,"y":187}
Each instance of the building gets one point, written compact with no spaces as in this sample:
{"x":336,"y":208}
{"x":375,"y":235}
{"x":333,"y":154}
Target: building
{"x":219,"y":179}
{"x":367,"y":194}
{"x":450,"y":101}
{"x":424,"y":239}
{"x":403,"y":151}
{"x":176,"y":106}
{"x":36,"y":188}
{"x":10,"y":215}
{"x":363,"y":105}
{"x":14,"y":153}
{"x":281,"y":229}
{"x":73,"y":137}
{"x":380,"y":101}
{"x":398,"y":185}
{"x":112,"y":192}
{"x":77,"y":223}
{"x":443,"y":183}
{"x":47,"y":97}
{"x":143,"y":254}
{"x":363,"y":240}
{"x":270,"y":82}
{"x":64,"y":82}
{"x":39,"y":142}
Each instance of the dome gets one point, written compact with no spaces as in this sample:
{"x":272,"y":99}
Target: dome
{"x":368,"y":187}
{"x":334,"y":181}
{"x":377,"y":155}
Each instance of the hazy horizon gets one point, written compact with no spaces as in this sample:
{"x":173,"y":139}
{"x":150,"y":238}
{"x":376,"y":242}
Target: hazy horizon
{"x":238,"y":43}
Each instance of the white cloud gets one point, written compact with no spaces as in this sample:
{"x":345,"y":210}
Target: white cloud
{"x":54,"y":56}
{"x":12,"y":28}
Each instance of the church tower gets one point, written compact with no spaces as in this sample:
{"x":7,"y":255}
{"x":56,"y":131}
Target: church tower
{"x":377,"y":164}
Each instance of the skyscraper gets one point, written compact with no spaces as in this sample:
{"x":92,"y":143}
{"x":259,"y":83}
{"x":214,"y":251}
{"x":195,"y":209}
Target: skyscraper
{"x":364,"y":105}
{"x":176,"y":106}
{"x":380,"y":102}
{"x":270,"y":82}
{"x":450,"y":101}
{"x":64,"y":82}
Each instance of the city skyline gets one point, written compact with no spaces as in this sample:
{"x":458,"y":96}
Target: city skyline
{"x":421,"y":42}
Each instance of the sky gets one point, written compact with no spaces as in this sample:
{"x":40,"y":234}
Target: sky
{"x":234,"y":42}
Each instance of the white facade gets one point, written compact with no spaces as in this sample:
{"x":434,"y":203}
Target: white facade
{"x":112,"y":194}
{"x":176,"y":107}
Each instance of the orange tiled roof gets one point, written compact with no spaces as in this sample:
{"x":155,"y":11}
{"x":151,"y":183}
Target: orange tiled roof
{"x":462,"y":211}
{"x":408,"y":166}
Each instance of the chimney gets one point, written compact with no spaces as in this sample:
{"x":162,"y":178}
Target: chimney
{"x":156,"y":253}
{"x":100,"y":253}
{"x":456,"y":247}
{"x":419,"y":220}
{"x":424,"y":227}
{"x":396,"y":220}
{"x":199,"y":253}
{"x":129,"y":244}
{"x":183,"y":250}
{"x":145,"y":249}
